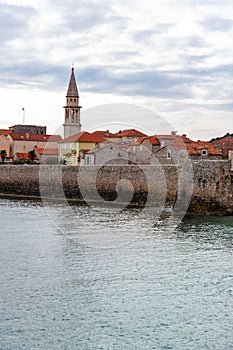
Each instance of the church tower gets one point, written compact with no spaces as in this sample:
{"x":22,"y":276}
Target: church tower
{"x":72,"y":109}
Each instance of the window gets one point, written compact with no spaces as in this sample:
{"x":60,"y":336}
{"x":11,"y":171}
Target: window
{"x":204,"y":152}
{"x":169,"y":155}
{"x":88,"y":160}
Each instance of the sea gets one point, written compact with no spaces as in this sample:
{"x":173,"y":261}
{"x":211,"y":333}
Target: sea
{"x":100,"y":278}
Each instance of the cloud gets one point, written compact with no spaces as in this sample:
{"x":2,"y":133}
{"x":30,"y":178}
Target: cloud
{"x":88,"y":14}
{"x":14,"y":21}
{"x":147,"y":34}
{"x":218,"y":24}
{"x":174,"y":54}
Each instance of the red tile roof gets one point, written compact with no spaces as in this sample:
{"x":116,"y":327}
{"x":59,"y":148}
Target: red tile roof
{"x":24,"y":156}
{"x":138,"y":141}
{"x":36,"y":137}
{"x":47,"y":151}
{"x":175,"y":138}
{"x":224,"y":144}
{"x":83,"y":136}
{"x":83,"y":152}
{"x":183,"y":138}
{"x":5,"y":132}
{"x":212,"y":149}
{"x":195,"y":148}
{"x":152,"y":139}
{"x":103,"y":133}
{"x":129,"y":133}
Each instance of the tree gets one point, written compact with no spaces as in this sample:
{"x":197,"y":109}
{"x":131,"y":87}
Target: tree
{"x":32,"y":155}
{"x":3,"y":155}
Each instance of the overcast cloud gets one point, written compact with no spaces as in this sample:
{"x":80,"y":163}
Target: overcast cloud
{"x":174,"y":57}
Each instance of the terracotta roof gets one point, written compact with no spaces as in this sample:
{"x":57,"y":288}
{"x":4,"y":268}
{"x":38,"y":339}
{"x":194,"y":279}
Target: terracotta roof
{"x":83,"y":136}
{"x":138,"y":141}
{"x":212,"y":149}
{"x":152,"y":139}
{"x":24,"y":156}
{"x":36,"y":137}
{"x":83,"y":152}
{"x":5,"y":132}
{"x":224,"y":144}
{"x":183,"y":138}
{"x":195,"y":148}
{"x":47,"y":151}
{"x":103,"y":133}
{"x":129,"y":133}
{"x":227,"y":136}
{"x":175,"y":138}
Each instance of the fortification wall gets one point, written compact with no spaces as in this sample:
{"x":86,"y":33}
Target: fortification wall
{"x":213,"y":187}
{"x":153,"y":184}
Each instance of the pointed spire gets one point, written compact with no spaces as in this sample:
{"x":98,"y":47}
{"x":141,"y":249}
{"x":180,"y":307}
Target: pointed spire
{"x":72,"y":88}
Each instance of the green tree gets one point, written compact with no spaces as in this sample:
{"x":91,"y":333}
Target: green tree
{"x":32,"y":155}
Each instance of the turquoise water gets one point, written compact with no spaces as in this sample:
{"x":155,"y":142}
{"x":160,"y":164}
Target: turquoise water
{"x":100,"y":279}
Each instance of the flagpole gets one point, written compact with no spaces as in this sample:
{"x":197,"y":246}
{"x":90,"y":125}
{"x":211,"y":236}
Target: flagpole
{"x":23,"y":109}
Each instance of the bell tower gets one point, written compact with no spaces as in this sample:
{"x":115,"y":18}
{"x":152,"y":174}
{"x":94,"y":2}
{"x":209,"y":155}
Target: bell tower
{"x":72,"y":109}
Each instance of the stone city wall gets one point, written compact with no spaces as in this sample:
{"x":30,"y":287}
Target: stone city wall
{"x":145,"y":184}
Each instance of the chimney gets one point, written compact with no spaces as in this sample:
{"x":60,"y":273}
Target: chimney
{"x":184,"y":135}
{"x":173,"y":133}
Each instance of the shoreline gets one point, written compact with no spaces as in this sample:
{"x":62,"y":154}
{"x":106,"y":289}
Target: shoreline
{"x":210,"y":193}
{"x":81,"y":202}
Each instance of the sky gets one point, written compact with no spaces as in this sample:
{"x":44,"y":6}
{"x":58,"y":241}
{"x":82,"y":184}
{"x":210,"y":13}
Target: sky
{"x":173,"y":58}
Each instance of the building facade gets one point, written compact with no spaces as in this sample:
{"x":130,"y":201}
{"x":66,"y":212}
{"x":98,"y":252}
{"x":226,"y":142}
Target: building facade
{"x":71,"y":149}
{"x":29,"y":129}
{"x":5,"y":146}
{"x":24,"y":143}
{"x":108,"y":154}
